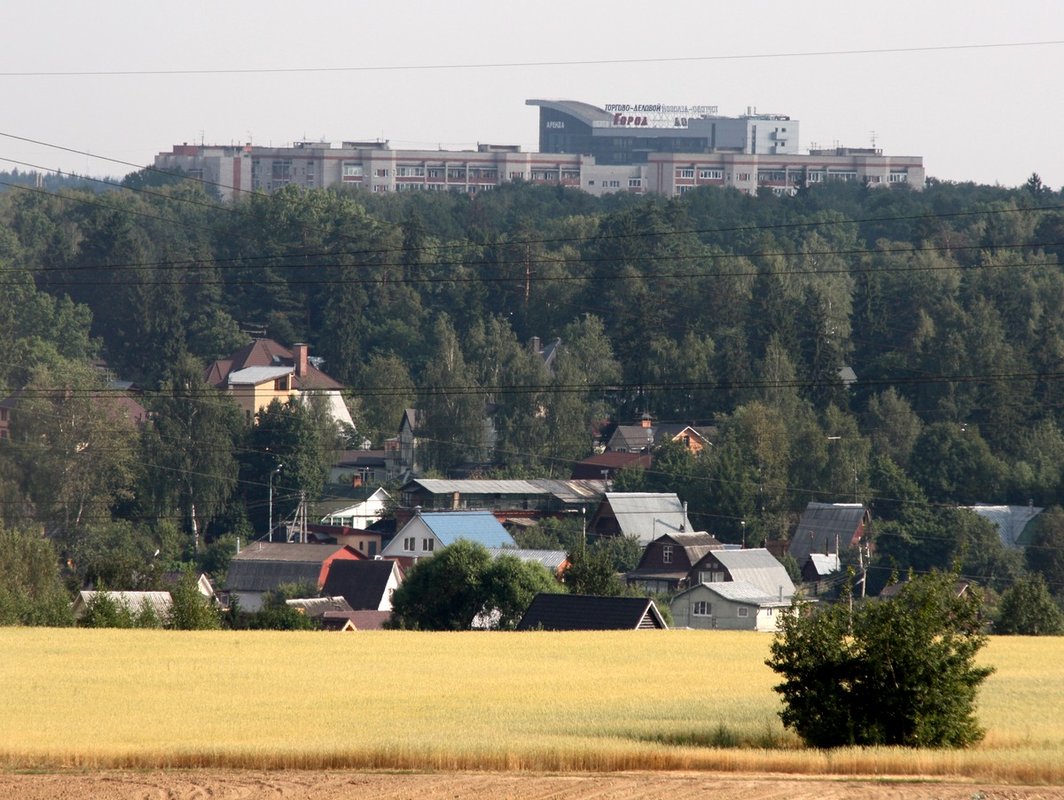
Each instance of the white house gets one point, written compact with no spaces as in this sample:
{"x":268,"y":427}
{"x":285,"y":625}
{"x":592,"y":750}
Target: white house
{"x":427,"y":532}
{"x":362,"y":514}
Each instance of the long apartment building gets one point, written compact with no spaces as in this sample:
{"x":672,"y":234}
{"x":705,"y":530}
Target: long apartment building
{"x":640,"y":148}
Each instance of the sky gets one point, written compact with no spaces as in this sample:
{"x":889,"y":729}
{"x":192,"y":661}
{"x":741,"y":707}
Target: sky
{"x":972,"y":87}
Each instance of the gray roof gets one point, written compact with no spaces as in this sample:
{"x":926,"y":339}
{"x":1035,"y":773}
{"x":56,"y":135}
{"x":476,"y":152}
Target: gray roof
{"x":551,"y":559}
{"x":565,"y":491}
{"x":1010,"y":521}
{"x":159,"y":602}
{"x":824,"y":564}
{"x":745,"y":592}
{"x":319,"y":606}
{"x":263,"y":566}
{"x":648,"y":515}
{"x":824,"y":524}
{"x":756,"y":566}
{"x":257,"y":375}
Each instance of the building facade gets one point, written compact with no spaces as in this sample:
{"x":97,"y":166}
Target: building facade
{"x":648,"y":148}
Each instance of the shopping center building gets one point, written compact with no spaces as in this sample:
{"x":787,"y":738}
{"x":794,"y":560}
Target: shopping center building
{"x":624,"y":147}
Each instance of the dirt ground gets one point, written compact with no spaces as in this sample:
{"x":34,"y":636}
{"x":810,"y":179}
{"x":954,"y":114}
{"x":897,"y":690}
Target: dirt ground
{"x":339,"y":785}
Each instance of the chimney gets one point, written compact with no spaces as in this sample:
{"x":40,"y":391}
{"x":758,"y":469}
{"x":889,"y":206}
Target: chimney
{"x":534,"y":345}
{"x":647,"y":420}
{"x":299,"y":356}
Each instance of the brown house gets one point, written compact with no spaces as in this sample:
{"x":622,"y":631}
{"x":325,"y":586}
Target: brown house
{"x":667,"y":561}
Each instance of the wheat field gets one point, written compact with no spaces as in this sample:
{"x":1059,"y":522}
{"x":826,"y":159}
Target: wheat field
{"x":666,"y":700}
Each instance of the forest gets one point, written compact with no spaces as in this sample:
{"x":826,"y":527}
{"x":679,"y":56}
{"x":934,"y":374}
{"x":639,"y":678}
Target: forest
{"x":900,"y":348}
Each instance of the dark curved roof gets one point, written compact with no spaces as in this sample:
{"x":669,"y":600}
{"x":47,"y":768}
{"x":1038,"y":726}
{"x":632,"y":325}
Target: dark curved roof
{"x":585,"y":112}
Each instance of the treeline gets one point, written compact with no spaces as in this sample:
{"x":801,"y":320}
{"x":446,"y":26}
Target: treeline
{"x":715,"y":308}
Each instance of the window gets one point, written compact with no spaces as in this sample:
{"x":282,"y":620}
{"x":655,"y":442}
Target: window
{"x":281,"y":384}
{"x":710,"y":174}
{"x":428,"y":545}
{"x":410,"y":172}
{"x":685,"y":173}
{"x":702,"y":608}
{"x":742,"y":176}
{"x":409,"y":544}
{"x":898,"y":177}
{"x":352,"y":172}
{"x":382,"y":172}
{"x":281,"y":170}
{"x":744,"y":611}
{"x":436,"y":172}
{"x":666,"y":554}
{"x":456,"y":173}
{"x":635,"y":183}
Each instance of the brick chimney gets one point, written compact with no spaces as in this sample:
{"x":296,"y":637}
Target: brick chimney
{"x":647,"y":421}
{"x":299,"y":357}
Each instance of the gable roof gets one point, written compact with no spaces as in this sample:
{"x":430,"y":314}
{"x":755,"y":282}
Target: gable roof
{"x":756,"y":566}
{"x":553,"y":560}
{"x":159,"y":602}
{"x":565,"y":491}
{"x":474,"y":526}
{"x":741,"y":592}
{"x":823,"y":565}
{"x":319,"y":606}
{"x":583,"y":612}
{"x":1011,"y":521}
{"x":267,"y":353}
{"x":822,"y":525}
{"x":361,"y":583}
{"x":264,"y":566}
{"x":648,"y":515}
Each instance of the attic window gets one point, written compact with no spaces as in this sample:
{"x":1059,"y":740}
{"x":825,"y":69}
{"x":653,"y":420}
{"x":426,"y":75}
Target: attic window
{"x":666,"y":554}
{"x":428,"y":545}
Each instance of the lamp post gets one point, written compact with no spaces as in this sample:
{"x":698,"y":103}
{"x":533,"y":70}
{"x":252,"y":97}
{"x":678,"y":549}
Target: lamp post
{"x":276,"y":469}
{"x":742,"y":524}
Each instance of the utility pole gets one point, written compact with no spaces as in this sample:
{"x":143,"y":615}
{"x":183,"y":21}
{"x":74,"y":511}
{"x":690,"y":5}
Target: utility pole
{"x":276,"y":469}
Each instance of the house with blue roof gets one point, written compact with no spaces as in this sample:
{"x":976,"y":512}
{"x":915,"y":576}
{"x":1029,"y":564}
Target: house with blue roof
{"x":427,"y":532}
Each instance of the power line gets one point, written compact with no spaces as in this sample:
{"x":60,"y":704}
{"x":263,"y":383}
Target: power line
{"x":524,"y":64}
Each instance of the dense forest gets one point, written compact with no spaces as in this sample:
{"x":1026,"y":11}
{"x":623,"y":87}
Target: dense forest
{"x":716,"y":308}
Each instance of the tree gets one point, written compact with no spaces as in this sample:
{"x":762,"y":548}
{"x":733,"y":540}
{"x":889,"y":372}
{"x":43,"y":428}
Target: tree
{"x":890,"y":672}
{"x":1028,"y":609}
{"x":31,"y":592}
{"x":190,"y":610}
{"x":189,"y":447}
{"x":591,"y":571}
{"x":446,"y":592}
{"x":1045,"y":554}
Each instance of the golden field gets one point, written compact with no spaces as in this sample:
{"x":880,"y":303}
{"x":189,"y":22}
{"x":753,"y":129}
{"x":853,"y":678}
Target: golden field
{"x":672,"y":700}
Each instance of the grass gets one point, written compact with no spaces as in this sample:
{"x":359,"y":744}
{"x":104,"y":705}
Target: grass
{"x":671,"y":700}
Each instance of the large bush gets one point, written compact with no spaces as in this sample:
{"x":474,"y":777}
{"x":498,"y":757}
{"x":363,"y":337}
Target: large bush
{"x":899,"y":671}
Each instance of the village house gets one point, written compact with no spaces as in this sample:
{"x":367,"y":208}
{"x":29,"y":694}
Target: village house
{"x":640,"y":515}
{"x":265,"y":370}
{"x":263,"y":566}
{"x":428,"y":532}
{"x":667,"y":561}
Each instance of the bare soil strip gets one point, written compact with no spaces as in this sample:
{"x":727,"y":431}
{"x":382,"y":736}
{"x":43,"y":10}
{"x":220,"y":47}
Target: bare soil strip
{"x":341,"y":785}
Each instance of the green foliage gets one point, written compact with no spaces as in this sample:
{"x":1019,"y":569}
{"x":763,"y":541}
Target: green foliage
{"x":1045,"y":554}
{"x":446,"y":591}
{"x":891,"y":672}
{"x":190,"y":610}
{"x":592,"y":571}
{"x":1028,"y":609}
{"x":31,"y":592}
{"x":106,"y":611}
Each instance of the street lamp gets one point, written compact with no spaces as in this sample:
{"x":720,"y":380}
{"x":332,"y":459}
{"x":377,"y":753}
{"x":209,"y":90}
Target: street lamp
{"x":276,"y":469}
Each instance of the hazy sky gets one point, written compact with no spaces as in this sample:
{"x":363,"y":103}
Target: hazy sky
{"x":450,"y":74}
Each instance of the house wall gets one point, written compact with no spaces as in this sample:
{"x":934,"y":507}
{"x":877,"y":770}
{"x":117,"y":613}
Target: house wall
{"x":254,"y":398}
{"x":420,"y":533}
{"x":724,"y":614}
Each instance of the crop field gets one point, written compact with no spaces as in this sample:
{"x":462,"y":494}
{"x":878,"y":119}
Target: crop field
{"x":544,"y":702}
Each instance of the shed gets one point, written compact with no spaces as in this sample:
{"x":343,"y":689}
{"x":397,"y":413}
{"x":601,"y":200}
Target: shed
{"x":733,"y":605}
